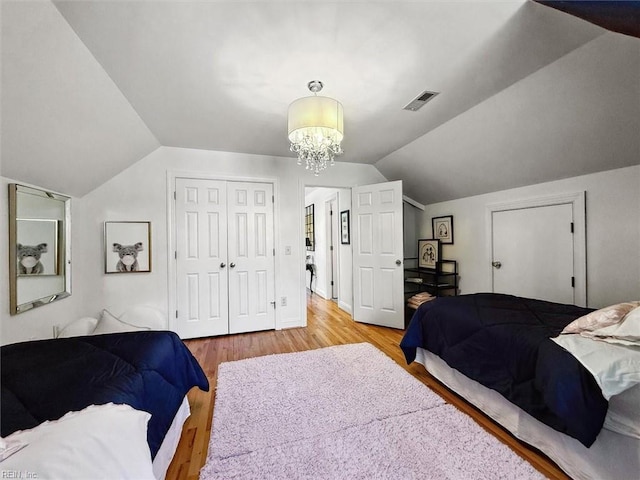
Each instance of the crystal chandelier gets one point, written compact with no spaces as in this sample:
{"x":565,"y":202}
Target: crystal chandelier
{"x":316,"y":129}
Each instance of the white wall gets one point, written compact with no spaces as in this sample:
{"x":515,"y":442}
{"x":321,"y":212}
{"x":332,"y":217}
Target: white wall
{"x":345,"y":255}
{"x":613,"y":232}
{"x":140,"y":193}
{"x":411,"y":221}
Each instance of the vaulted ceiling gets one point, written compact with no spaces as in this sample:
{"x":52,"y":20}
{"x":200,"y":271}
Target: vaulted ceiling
{"x":91,"y":87}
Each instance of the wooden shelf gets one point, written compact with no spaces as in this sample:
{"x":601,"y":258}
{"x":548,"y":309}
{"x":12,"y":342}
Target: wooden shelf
{"x":437,"y":281}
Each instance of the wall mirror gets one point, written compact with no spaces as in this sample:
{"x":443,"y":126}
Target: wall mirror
{"x":39,"y":247}
{"x":309,"y":228}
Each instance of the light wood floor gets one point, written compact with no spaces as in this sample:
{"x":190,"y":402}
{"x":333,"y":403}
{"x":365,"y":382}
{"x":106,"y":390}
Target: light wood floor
{"x":327,"y":325}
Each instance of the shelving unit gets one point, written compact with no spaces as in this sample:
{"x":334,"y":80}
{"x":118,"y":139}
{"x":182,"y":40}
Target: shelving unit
{"x":443,"y":280}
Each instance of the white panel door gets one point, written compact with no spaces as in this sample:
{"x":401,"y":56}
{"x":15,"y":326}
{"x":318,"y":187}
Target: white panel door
{"x":378,"y":275}
{"x":201,"y":250}
{"x":251,"y":257}
{"x":533,"y":252}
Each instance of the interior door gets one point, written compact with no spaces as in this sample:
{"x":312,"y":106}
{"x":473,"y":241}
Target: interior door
{"x":378,"y":275}
{"x":533,"y":252}
{"x":201,"y":257}
{"x":251,"y":257}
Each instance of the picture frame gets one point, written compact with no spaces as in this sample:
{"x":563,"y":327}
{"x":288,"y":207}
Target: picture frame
{"x":442,"y":228}
{"x":345,"y":232}
{"x":38,"y":242}
{"x":127,"y":247}
{"x":428,"y":253}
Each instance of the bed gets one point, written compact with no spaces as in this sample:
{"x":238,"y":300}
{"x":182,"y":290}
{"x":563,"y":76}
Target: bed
{"x":497,"y":351}
{"x":142,"y":375}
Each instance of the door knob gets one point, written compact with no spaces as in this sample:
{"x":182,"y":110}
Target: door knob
{"x":496,"y":265}
{"x":398,"y":262}
{"x":222,"y":265}
{"x":232,"y":264}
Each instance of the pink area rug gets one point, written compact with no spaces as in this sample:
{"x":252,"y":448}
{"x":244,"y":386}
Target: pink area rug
{"x":344,"y":412}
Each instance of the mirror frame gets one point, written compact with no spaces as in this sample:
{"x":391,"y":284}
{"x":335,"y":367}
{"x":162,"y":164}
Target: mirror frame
{"x":64,"y":246}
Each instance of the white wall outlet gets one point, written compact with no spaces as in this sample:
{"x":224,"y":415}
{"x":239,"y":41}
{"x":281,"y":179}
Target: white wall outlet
{"x":287,"y":250}
{"x":283,"y":301}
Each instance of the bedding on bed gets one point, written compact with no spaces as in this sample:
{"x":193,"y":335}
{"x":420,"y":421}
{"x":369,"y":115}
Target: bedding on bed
{"x":151,"y":371}
{"x":81,"y":446}
{"x":504,"y":343}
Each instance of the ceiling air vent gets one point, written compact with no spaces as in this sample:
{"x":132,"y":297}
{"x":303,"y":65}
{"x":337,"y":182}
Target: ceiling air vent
{"x":420,"y":101}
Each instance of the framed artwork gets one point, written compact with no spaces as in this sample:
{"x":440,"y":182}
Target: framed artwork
{"x":428,"y":253}
{"x":127,"y":247}
{"x":345,"y":238}
{"x":443,"y":229}
{"x":37,"y":246}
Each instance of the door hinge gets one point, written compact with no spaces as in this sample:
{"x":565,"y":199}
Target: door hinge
{"x":274,"y":305}
{"x":331,"y":248}
{"x":176,"y":313}
{"x":273,"y":199}
{"x":332,"y":283}
{"x":571,"y":227}
{"x":175,"y":254}
{"x":331,"y":213}
{"x":174,"y":195}
{"x":573,"y":282}
{"x":274,"y":252}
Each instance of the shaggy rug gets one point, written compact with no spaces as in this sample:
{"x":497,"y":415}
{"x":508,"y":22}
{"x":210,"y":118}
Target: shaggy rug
{"x":344,"y":412}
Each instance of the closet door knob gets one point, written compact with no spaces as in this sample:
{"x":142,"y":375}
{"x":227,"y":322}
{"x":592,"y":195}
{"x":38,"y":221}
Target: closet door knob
{"x":398,"y":262}
{"x":232,"y":264}
{"x":222,"y":265}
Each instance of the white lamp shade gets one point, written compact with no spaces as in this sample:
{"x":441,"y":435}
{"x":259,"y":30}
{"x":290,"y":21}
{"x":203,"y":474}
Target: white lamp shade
{"x":322,"y":114}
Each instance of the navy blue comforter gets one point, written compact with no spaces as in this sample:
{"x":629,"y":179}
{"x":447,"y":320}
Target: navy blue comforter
{"x":503,"y":342}
{"x":151,"y":371}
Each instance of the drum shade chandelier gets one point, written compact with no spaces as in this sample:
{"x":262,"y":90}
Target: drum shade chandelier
{"x":316,"y":129}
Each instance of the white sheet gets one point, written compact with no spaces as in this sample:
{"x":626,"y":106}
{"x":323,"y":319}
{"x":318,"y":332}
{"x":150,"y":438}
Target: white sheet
{"x":168,"y":447}
{"x":613,"y":456}
{"x":623,"y":415}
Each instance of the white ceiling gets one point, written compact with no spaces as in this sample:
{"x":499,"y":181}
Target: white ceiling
{"x":90,"y":87}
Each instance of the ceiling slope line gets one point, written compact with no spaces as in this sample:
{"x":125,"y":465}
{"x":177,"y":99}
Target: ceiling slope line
{"x":588,"y":34}
{"x":113,"y":82}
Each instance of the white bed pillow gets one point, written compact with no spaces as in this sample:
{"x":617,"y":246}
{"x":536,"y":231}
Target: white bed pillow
{"x":616,"y":368}
{"x":601,"y":318}
{"x":627,"y":332}
{"x":144,"y":316}
{"x":110,"y":324}
{"x":79,"y":328}
{"x":100,"y":442}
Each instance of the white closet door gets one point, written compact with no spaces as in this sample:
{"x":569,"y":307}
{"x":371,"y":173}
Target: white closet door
{"x":201,"y":243}
{"x":251,"y":257}
{"x":378,"y":250}
{"x":533,"y":252}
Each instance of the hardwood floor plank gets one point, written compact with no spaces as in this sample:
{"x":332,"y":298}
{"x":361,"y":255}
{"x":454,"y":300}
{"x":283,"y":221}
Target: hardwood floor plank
{"x":327,"y":326}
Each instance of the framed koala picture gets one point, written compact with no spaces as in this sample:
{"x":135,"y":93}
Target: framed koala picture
{"x":127,"y":247}
{"x":37,"y":247}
